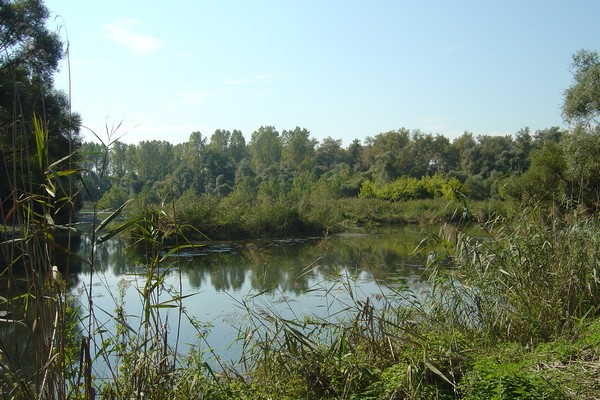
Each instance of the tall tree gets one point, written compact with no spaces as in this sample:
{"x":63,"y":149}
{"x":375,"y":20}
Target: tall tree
{"x":581,"y":149}
{"x":29,"y":56}
{"x":582,"y":99}
{"x":265,"y":148}
{"x":94,"y":172}
{"x":153,"y":160}
{"x":329,"y":154}
{"x":355,"y":151}
{"x":543,"y":136}
{"x":298,"y":147}
{"x":237,"y":146}
{"x":388,"y":155}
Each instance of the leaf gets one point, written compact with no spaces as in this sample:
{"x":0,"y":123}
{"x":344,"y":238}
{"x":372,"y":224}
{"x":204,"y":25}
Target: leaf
{"x":113,"y":232}
{"x":41,"y":137}
{"x":434,"y":369}
{"x":112,"y":217}
{"x":67,"y":172}
{"x":179,"y":248}
{"x":506,"y":273}
{"x":57,"y":162}
{"x":51,"y":192}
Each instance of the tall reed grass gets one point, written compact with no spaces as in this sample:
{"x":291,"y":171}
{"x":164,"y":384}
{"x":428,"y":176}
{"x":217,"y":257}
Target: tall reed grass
{"x":527,"y":280}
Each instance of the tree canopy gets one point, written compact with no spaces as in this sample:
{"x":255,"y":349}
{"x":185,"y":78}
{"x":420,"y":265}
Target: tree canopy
{"x":29,"y":56}
{"x":582,"y":99}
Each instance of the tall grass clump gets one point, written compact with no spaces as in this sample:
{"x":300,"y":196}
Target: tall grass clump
{"x":528,"y":279}
{"x":38,"y":345}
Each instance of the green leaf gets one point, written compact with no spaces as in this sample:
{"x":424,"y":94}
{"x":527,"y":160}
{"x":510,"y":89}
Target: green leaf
{"x":113,"y":232}
{"x":112,"y":217}
{"x":179,"y":248}
{"x":41,"y":137}
{"x":434,"y":369}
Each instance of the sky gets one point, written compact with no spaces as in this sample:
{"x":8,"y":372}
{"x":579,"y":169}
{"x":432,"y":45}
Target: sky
{"x":145,"y":70}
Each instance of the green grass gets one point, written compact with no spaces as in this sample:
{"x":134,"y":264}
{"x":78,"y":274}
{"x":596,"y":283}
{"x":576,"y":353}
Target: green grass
{"x":232,"y":217}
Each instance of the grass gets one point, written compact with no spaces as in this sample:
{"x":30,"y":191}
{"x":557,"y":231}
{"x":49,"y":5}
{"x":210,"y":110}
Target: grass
{"x":232,"y":217}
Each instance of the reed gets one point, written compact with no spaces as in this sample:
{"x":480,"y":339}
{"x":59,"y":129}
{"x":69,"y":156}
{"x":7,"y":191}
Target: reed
{"x":525,"y":280}
{"x":39,"y":330}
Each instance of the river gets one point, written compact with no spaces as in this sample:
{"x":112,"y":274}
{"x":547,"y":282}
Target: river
{"x":223,"y":282}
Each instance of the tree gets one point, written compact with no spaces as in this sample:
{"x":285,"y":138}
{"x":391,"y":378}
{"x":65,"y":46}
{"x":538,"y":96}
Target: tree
{"x":581,"y":149}
{"x":388,"y":155}
{"x":355,"y":151}
{"x":153,"y":160}
{"x":119,"y":165}
{"x":237,"y":146}
{"x":545,"y":179}
{"x":582,"y":99}
{"x":329,"y":154}
{"x":541,"y":137}
{"x":462,"y":146}
{"x":26,"y":45}
{"x":522,"y":146}
{"x":298,"y":148}
{"x":265,"y":147}
{"x":29,"y":56}
{"x":220,"y":140}
{"x":94,"y":173}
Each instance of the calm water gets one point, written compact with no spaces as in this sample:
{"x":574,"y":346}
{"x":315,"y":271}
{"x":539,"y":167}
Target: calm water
{"x":292,"y":278}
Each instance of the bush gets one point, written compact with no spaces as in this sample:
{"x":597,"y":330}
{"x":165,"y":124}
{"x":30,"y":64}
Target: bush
{"x":491,"y":380}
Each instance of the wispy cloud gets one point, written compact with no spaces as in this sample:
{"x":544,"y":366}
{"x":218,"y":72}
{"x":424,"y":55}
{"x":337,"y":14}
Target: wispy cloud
{"x":434,"y":123}
{"x":123,"y":32}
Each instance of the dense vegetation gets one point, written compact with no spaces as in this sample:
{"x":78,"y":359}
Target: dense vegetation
{"x":288,"y":182}
{"x":512,"y":311}
{"x":29,"y":57}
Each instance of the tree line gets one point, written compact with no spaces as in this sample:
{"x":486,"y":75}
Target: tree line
{"x":275,"y":163}
{"x":551,"y":164}
{"x":275,"y":166}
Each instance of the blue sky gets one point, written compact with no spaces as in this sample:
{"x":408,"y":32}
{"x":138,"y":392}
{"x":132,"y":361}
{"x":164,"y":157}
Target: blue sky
{"x":345,"y":69}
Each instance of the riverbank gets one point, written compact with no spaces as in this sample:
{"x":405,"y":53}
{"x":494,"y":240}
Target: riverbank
{"x":201,"y":217}
{"x":515,"y":315}
{"x":512,"y":312}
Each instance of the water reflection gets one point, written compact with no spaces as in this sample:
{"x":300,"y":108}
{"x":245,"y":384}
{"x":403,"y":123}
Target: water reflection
{"x":294,"y":277}
{"x":383,"y":255}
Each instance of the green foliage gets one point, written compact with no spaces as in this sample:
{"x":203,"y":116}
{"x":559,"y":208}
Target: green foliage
{"x":582,"y":166}
{"x":490,"y":380}
{"x":582,"y":99}
{"x":29,"y":104}
{"x":368,"y":190}
{"x":545,"y":179}
{"x":530,"y":280}
{"x":408,"y":188}
{"x":114,"y":197}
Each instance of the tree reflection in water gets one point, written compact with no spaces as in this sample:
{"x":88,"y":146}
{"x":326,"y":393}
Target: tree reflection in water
{"x":297,"y":276}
